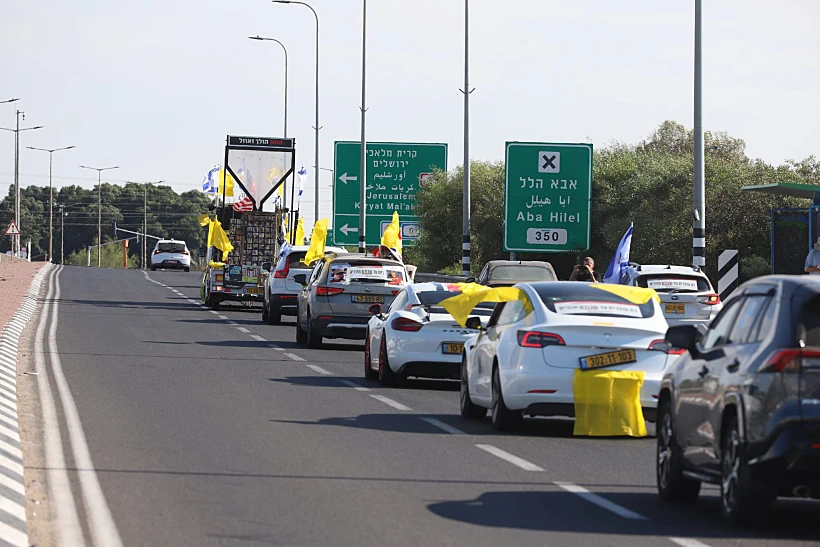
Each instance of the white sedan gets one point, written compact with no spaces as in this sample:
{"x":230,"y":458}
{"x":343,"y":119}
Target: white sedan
{"x":524,"y":361}
{"x":416,"y":337}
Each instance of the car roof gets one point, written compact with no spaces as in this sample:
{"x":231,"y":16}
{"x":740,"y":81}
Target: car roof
{"x":654,"y":269}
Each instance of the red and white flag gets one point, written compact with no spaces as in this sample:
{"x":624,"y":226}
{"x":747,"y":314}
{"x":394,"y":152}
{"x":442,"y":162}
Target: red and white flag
{"x":243,"y":205}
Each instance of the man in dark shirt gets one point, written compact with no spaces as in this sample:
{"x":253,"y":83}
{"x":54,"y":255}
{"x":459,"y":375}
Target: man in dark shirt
{"x":586,"y":272}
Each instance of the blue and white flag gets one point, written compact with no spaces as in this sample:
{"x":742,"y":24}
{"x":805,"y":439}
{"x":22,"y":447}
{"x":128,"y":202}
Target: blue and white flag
{"x":301,"y":176}
{"x":285,"y":248}
{"x":209,"y":182}
{"x":620,"y":261}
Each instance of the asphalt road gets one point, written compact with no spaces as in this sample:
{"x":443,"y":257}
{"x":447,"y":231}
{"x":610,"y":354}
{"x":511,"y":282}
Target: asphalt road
{"x":212,"y":428}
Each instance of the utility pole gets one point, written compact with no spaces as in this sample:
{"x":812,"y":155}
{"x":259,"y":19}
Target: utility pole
{"x":363,"y":157}
{"x":99,"y":171}
{"x":50,"y":195}
{"x":145,"y":224}
{"x":699,"y":227}
{"x":62,"y":233}
{"x":465,"y":245}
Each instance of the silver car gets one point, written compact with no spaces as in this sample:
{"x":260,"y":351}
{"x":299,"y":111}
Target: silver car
{"x":335,"y":301}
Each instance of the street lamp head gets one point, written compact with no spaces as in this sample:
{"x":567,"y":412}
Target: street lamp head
{"x":281,"y":1}
{"x":257,"y":37}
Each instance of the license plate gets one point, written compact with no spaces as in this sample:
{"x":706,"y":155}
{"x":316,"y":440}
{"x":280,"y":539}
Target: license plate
{"x":368,"y":298}
{"x":452,"y":349}
{"x":608,"y":359}
{"x":253,"y":290}
{"x":171,"y":262}
{"x":675,"y":309}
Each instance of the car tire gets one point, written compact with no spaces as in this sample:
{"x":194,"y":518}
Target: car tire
{"x":187,"y":269}
{"x":214,"y":304}
{"x":469,"y":409}
{"x":314,"y":339}
{"x":387,"y":377}
{"x":369,"y":373}
{"x":301,"y":335}
{"x":275,"y":315}
{"x":265,"y":313}
{"x":503,"y":418}
{"x":742,"y":500}
{"x":672,"y":485}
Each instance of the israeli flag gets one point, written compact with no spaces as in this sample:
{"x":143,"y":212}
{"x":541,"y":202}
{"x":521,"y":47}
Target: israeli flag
{"x":285,"y":249}
{"x":209,"y":183}
{"x":620,"y":261}
{"x":301,"y":176}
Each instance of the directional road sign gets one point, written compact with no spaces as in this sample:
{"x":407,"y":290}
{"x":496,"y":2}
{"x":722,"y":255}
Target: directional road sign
{"x":395,"y":170}
{"x":547,"y":195}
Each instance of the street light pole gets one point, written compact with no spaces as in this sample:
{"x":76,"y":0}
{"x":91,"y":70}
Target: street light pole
{"x":363,"y":147}
{"x":50,"y":195}
{"x":62,"y":233}
{"x":699,"y":228}
{"x":99,"y":171}
{"x":316,"y":127}
{"x":465,"y":245}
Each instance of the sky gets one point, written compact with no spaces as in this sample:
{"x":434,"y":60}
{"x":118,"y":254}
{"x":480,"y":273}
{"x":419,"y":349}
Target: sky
{"x":155,"y":86}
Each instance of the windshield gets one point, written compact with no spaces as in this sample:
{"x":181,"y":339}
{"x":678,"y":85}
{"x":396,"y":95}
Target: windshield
{"x":171,"y":247}
{"x":584,"y":299}
{"x":520,"y":272}
{"x":677,"y":283}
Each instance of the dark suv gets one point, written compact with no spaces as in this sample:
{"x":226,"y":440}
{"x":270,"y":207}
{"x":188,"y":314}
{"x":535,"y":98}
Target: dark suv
{"x":742,"y":407}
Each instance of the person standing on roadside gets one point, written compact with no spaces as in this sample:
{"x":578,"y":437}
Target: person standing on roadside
{"x":812,"y":266}
{"x":586,"y":272}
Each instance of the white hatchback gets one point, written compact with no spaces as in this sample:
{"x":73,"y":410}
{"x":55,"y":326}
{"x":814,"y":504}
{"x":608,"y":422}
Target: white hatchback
{"x":171,"y":254}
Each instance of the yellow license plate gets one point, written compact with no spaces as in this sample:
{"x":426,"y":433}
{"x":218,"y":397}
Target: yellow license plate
{"x":253,"y":290}
{"x":368,"y":298}
{"x":608,"y":359}
{"x":675,"y":309}
{"x":452,"y":349}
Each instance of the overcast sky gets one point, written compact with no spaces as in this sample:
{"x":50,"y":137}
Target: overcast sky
{"x":155,"y":86}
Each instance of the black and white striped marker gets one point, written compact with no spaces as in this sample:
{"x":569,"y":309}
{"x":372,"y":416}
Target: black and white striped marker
{"x":728,"y":272}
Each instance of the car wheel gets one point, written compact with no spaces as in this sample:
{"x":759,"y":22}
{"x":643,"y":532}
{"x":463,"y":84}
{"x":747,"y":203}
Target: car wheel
{"x":214,"y":304}
{"x":741,"y":500}
{"x":504,"y":419}
{"x":275,"y":315}
{"x":265,"y":313}
{"x":369,"y":373}
{"x":314,"y":340}
{"x":301,"y":335}
{"x":386,"y":375}
{"x":187,"y":269}
{"x":672,"y":485}
{"x":469,"y":409}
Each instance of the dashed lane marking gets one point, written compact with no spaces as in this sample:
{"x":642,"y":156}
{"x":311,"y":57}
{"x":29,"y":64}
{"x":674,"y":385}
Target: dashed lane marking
{"x":506,"y":456}
{"x":354,"y":385}
{"x":391,"y":403}
{"x":599,"y":501}
{"x":258,"y":338}
{"x":243,"y":329}
{"x":294,"y":357}
{"x":318,"y":369}
{"x":443,"y":426}
{"x":688,"y":542}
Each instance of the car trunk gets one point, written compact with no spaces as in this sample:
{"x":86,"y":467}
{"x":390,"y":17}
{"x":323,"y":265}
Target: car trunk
{"x":356,"y":298}
{"x":292,"y":285}
{"x":684,"y":306}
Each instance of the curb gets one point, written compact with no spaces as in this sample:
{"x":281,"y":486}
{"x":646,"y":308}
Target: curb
{"x":12,"y":487}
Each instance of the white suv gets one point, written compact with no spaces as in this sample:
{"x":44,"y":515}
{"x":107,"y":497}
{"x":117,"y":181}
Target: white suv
{"x":687,"y":296}
{"x":170,"y":254}
{"x":281,"y":290}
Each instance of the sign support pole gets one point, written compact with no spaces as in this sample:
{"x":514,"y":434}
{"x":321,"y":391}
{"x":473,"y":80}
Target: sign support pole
{"x":465,"y":244}
{"x":363,"y":157}
{"x":699,"y":228}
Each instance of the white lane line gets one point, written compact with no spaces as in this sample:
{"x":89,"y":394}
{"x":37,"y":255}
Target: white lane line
{"x":294,"y":357}
{"x":258,"y":338}
{"x":688,"y":542}
{"x":390,"y":402}
{"x":443,"y":426}
{"x":232,"y":322}
{"x":354,"y":385}
{"x":224,"y":318}
{"x":13,"y":509}
{"x":100,"y":521}
{"x":11,"y":449}
{"x":66,"y":519}
{"x":214,"y":312}
{"x":318,"y":369}
{"x":243,"y":329}
{"x":11,"y":465}
{"x":14,"y":536}
{"x":506,"y":456}
{"x":599,"y":501}
{"x":13,"y":485}
{"x":277,"y":348}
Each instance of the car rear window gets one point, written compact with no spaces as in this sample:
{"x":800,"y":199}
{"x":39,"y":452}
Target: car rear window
{"x":365,"y":271}
{"x":674,"y":282}
{"x":295,"y":259}
{"x":431,"y":298}
{"x":171,"y":247}
{"x":520,"y":272}
{"x":584,"y":299}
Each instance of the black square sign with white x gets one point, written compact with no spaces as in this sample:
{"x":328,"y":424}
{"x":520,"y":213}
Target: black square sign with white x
{"x":549,"y":162}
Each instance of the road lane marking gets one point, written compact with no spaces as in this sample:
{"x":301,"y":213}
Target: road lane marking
{"x":14,"y":509}
{"x":390,"y":402}
{"x":214,"y":312}
{"x":232,"y":322}
{"x":318,"y":369}
{"x":222,"y":317}
{"x":243,"y":329}
{"x":506,"y":456}
{"x":599,"y":501}
{"x":13,"y":535}
{"x":258,"y":338}
{"x":294,"y":357}
{"x":688,"y":542}
{"x":354,"y":385}
{"x":443,"y":426}
{"x":277,"y":348}
{"x":100,"y":521}
{"x":11,"y":449}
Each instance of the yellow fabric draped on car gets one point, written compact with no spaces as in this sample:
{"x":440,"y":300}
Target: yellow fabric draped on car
{"x":473,"y":294}
{"x":317,"y":242}
{"x":608,"y":403}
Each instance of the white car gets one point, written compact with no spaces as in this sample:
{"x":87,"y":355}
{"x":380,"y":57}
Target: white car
{"x":416,"y":337}
{"x":171,"y":254}
{"x":281,"y":291}
{"x":524,"y":361}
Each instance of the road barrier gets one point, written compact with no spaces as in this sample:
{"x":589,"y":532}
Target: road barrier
{"x":728,"y":272}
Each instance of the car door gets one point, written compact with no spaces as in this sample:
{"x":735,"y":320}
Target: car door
{"x":483,"y":354}
{"x":305,"y":295}
{"x":694,"y":431}
{"x":377,"y":325}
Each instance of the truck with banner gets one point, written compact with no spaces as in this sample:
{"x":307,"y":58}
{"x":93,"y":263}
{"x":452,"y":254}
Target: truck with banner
{"x":243,"y":238}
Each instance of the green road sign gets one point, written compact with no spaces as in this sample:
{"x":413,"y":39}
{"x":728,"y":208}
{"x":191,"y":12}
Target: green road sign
{"x":547,"y":194}
{"x":395,"y":170}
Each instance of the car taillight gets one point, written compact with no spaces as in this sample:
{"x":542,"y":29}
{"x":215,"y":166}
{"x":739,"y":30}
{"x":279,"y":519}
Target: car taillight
{"x":395,"y":292}
{"x":711,"y":299}
{"x":283,"y":273}
{"x":792,"y":360}
{"x":157,"y":251}
{"x":326,"y":291}
{"x":533,"y":339}
{"x":405,"y":324}
{"x":663,"y":345}
{"x":185,"y":252}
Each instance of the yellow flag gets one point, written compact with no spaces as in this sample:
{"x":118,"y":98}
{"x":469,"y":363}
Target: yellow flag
{"x":204,"y":220}
{"x":226,"y":183}
{"x":218,"y":238}
{"x":300,"y":232}
{"x":608,"y":403}
{"x":391,"y":238}
{"x":473,"y":294}
{"x":636,"y":295}
{"x":317,"y":241}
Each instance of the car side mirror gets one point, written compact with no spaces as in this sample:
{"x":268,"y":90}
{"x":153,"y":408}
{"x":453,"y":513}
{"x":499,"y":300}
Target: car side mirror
{"x":470,"y":280}
{"x":202,"y":251}
{"x":266,"y":267}
{"x":473,"y":323}
{"x":375,"y":309}
{"x":684,"y":337}
{"x":300,"y":278}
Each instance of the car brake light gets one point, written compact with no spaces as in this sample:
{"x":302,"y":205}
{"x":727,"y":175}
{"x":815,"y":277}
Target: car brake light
{"x":185,"y":252}
{"x":816,"y":446}
{"x":405,"y":324}
{"x":156,"y":252}
{"x":711,"y":300}
{"x":395,"y":292}
{"x":792,"y":360}
{"x":533,"y":339}
{"x":663,"y":345}
{"x":326,"y":291}
{"x":281,"y":274}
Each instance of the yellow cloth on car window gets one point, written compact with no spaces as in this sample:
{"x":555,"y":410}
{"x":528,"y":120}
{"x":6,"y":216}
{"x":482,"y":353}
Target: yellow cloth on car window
{"x":473,"y":294}
{"x":636,"y":295}
{"x":608,"y":403}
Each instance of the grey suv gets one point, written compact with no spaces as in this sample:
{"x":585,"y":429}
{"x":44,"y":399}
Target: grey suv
{"x":334,"y":302}
{"x":741,"y":408}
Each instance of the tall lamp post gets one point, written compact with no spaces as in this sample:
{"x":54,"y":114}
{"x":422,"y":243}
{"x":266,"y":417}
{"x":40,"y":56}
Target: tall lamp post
{"x":699,"y":227}
{"x":316,"y":127}
{"x":50,"y":195}
{"x":363,"y":144}
{"x":465,"y":245}
{"x":99,"y":171}
{"x":16,"y":131}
